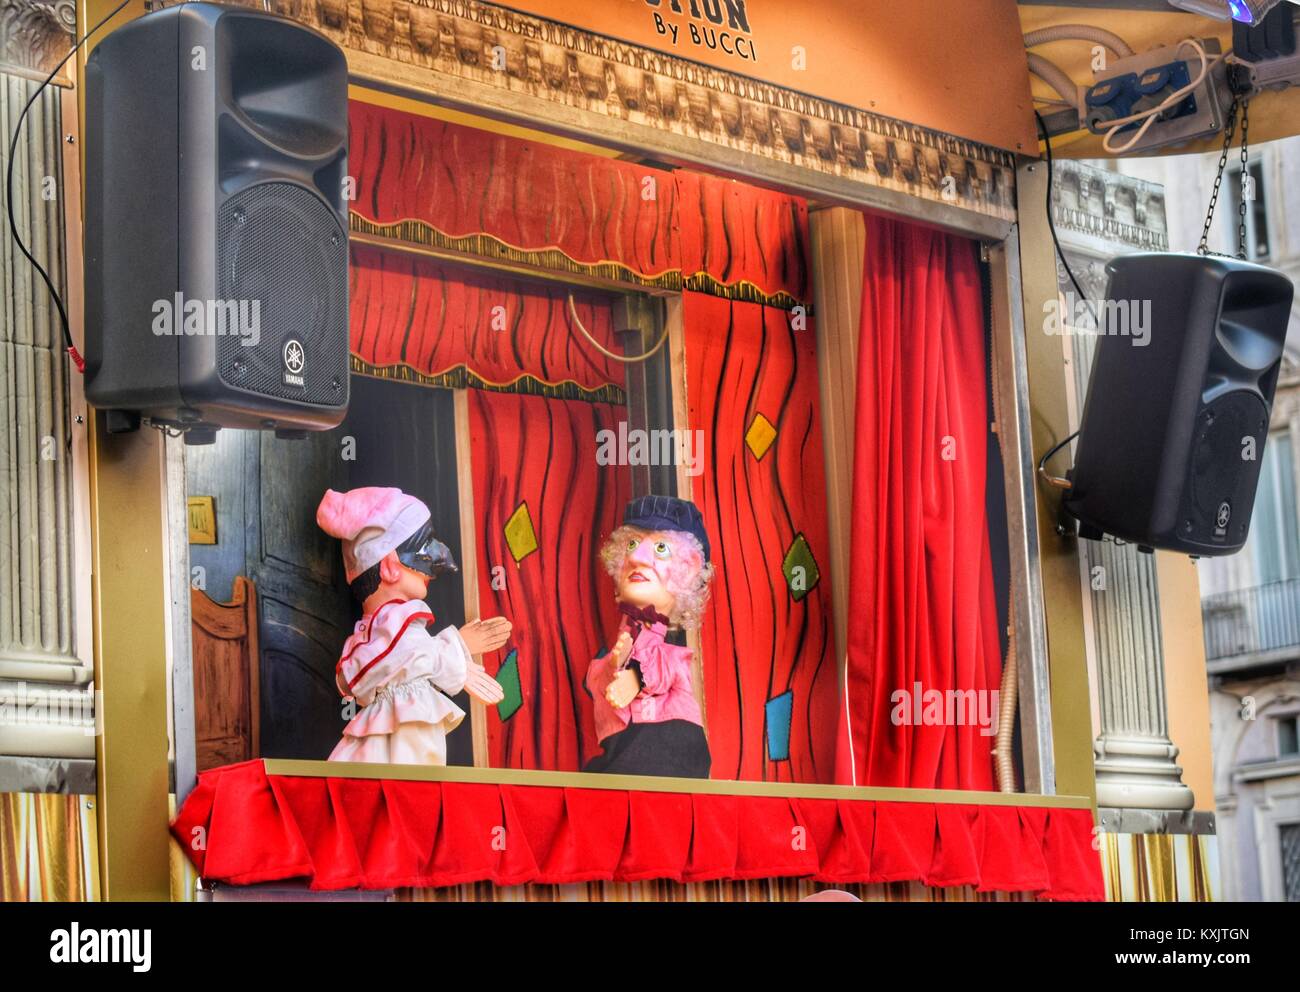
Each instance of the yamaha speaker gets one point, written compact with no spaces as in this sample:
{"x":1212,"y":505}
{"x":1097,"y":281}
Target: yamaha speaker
{"x":1177,"y":413}
{"x":216,"y":227}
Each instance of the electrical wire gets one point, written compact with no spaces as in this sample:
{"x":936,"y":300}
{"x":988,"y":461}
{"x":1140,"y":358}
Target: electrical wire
{"x":1051,"y":222}
{"x":1055,"y":480}
{"x":625,"y":359}
{"x":1055,"y":77}
{"x":1052,"y":480}
{"x":1149,"y":116}
{"x":9,"y":190}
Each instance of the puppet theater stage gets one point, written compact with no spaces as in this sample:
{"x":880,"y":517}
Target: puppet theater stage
{"x":472,"y":390}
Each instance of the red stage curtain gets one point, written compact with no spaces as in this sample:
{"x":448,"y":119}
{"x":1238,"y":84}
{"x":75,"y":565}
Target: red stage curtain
{"x":735,"y":235}
{"x":434,"y":182}
{"x":428,"y":182}
{"x":534,"y":459}
{"x":242,"y":826}
{"x":753,"y":395}
{"x":921,"y":603}
{"x":423,"y":321}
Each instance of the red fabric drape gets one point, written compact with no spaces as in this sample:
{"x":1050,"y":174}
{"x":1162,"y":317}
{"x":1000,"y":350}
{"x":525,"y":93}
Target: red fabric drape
{"x":763,"y":498}
{"x":541,"y":455}
{"x":242,"y":826}
{"x":462,"y":182}
{"x":413,"y":316}
{"x":736,"y":235}
{"x":922,"y":616}
{"x":430,"y":182}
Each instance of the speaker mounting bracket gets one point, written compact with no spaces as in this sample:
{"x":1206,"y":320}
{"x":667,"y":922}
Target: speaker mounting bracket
{"x":122,"y":421}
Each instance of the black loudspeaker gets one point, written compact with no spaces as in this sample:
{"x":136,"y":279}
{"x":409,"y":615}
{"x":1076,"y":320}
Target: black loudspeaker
{"x":1173,"y":430}
{"x":216,"y":226}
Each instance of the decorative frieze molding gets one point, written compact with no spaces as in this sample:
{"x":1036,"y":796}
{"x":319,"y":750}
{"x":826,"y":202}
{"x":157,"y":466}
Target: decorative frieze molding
{"x":531,"y":58}
{"x":1106,"y":213}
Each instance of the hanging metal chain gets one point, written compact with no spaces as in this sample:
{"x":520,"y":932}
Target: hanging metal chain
{"x":1247,"y":181}
{"x":1204,"y":247}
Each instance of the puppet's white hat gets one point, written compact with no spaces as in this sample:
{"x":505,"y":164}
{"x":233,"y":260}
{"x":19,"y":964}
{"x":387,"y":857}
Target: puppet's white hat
{"x":370,"y":522}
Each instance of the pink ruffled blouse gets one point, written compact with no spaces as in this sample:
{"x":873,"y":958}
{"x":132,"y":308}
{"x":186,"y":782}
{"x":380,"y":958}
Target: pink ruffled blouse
{"x":666,"y":692}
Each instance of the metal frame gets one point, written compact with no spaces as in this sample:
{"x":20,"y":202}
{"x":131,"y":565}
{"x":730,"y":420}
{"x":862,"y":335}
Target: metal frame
{"x":1016,"y":439}
{"x":1003,"y":248}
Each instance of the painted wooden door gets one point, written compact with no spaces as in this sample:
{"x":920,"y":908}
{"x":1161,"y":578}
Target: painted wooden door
{"x":394,"y":435}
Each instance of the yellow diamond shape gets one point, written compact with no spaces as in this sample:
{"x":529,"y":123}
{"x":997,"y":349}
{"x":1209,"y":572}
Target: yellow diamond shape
{"x":521,"y":539}
{"x":760,"y":436}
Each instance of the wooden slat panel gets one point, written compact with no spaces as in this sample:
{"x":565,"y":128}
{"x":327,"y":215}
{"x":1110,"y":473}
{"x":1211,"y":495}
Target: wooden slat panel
{"x":838,"y":245}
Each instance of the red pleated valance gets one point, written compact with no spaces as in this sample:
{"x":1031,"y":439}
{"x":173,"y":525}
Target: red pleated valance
{"x":431,"y":183}
{"x":418,"y":320}
{"x":242,"y":826}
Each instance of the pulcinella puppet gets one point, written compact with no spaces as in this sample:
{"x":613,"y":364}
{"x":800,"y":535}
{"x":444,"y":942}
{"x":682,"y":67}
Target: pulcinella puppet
{"x":647,"y":716}
{"x":394,"y":668}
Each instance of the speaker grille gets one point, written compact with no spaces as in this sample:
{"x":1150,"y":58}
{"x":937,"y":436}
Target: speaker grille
{"x":1223,"y":477}
{"x":280,"y":244}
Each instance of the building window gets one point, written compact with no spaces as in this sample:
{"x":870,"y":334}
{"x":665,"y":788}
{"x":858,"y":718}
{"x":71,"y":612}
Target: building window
{"x":1289,"y":841}
{"x":1273,"y":537}
{"x":1288,"y":736}
{"x":1257,"y":246}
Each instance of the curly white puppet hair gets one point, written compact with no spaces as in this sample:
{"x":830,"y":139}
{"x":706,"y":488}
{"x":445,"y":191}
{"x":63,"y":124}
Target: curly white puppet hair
{"x":688,"y":576}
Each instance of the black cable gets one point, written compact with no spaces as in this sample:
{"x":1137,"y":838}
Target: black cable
{"x":1051,"y":226}
{"x":9,"y":189}
{"x":1042,"y":462}
{"x":1051,"y":223}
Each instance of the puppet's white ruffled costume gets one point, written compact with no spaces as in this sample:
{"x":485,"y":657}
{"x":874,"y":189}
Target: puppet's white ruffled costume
{"x":395,"y":668}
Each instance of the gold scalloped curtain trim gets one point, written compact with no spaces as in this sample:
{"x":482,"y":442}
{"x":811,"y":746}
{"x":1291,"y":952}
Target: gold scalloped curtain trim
{"x":418,"y":233}
{"x":460,"y":377}
{"x":421,"y":234}
{"x":743,"y":291}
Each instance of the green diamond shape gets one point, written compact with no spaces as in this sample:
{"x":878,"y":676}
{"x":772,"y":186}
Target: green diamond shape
{"x":800,"y":568}
{"x":508,"y":676}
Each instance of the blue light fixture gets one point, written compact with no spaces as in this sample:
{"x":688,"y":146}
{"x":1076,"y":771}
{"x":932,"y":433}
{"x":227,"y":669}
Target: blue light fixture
{"x":1250,"y":11}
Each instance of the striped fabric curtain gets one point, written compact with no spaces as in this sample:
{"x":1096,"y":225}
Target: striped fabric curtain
{"x":47,"y":848}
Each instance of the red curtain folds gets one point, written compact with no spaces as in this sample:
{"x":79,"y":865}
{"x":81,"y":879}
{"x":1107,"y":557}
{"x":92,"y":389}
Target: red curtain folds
{"x":427,"y":182}
{"x":754,"y":242}
{"x":412,"y":318}
{"x":534,"y":463}
{"x":436,"y":182}
{"x":241,"y":826}
{"x":922,"y":616}
{"x":770,"y":681}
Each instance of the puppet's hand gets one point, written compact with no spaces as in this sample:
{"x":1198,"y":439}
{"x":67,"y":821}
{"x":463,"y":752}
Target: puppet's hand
{"x":482,"y":686}
{"x":482,"y":636}
{"x":623,"y":688}
{"x":622,"y":648}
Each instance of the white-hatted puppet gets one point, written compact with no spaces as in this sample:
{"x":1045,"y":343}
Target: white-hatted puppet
{"x":393,"y":665}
